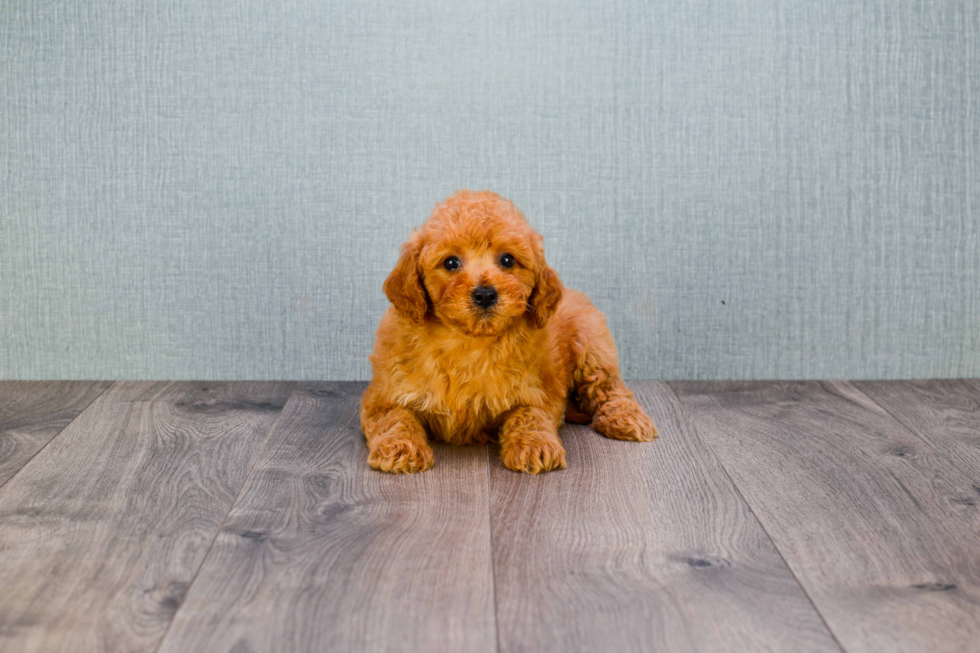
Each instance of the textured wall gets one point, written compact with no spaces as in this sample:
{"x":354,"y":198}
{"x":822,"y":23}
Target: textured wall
{"x":748,"y":189}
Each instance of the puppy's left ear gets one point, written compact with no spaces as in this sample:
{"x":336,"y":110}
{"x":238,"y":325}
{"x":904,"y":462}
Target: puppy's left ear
{"x":404,"y":285}
{"x":545,"y":296}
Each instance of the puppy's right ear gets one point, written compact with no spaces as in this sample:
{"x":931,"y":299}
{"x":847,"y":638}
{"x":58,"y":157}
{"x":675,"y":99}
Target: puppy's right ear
{"x":404,"y":285}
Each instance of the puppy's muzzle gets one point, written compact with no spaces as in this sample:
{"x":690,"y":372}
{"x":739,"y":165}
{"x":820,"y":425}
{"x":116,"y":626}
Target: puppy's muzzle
{"x":485,"y":296}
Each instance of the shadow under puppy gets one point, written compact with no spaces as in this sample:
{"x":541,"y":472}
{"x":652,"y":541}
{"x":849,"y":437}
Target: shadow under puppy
{"x":482,"y":341}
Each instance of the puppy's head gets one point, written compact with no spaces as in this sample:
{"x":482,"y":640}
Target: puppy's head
{"x":475,"y":265}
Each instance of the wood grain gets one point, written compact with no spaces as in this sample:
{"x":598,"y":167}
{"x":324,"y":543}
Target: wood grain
{"x":102,"y":533}
{"x":322,"y":553}
{"x":943,"y":413}
{"x":640,"y":547}
{"x":867,"y":515}
{"x":33,"y":412}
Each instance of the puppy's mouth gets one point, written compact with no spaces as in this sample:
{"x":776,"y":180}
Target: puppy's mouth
{"x":486,"y":321}
{"x":483,"y":322}
{"x":476,"y":320}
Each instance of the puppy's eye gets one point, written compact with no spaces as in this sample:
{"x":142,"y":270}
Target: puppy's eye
{"x":507,"y":261}
{"x":451,"y":263}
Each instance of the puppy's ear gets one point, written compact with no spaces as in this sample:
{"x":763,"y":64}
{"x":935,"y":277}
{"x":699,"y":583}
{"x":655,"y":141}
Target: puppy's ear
{"x":404,"y":285}
{"x":545,"y":296}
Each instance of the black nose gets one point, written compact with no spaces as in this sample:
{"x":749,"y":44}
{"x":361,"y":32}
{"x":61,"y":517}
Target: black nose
{"x":485,"y":296}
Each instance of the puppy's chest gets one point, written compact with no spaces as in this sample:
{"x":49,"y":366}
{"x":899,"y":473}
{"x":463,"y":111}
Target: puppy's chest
{"x":460,"y":394}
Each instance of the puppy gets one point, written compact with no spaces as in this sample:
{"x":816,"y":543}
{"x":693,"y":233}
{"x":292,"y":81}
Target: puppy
{"x":482,"y":341}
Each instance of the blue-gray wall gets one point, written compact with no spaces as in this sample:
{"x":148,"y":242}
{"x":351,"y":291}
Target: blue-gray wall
{"x":748,"y":189}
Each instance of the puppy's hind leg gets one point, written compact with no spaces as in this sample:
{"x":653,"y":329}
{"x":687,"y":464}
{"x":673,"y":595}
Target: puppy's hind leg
{"x":600,"y":391}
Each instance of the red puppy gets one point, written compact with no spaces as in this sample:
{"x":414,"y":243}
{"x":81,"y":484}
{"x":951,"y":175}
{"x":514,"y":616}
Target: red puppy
{"x":481,"y":341}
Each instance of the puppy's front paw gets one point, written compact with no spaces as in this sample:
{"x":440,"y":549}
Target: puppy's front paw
{"x":400,"y":455}
{"x":532,"y":454}
{"x":623,"y":419}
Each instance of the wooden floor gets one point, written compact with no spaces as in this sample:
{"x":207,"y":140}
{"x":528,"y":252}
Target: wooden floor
{"x":243,"y":517}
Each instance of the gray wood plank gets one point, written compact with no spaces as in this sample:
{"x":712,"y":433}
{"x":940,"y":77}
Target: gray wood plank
{"x":867,"y":515}
{"x":323,"y":553}
{"x":33,"y":412}
{"x":640,"y":547}
{"x":102,"y":532}
{"x":943,"y":413}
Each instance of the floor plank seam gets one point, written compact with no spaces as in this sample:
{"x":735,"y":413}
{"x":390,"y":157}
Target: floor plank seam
{"x":217,"y":533}
{"x":915,"y":433}
{"x":758,"y":520}
{"x":493,"y":559}
{"x":57,"y":435}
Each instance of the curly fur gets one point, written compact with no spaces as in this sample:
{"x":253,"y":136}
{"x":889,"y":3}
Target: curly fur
{"x":448,"y":369}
